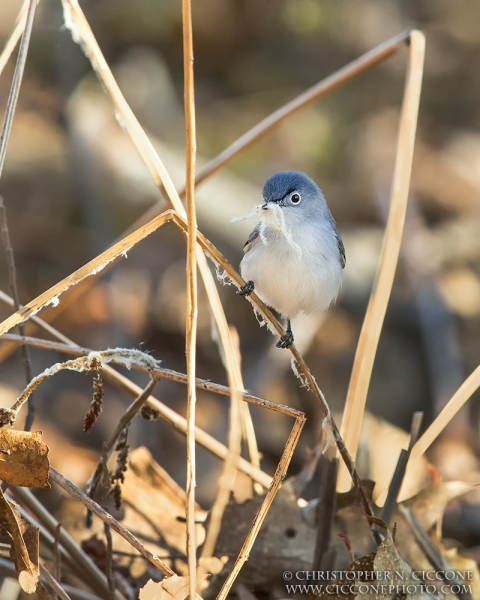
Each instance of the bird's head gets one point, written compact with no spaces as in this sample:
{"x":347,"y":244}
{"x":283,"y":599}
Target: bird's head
{"x":293,"y":190}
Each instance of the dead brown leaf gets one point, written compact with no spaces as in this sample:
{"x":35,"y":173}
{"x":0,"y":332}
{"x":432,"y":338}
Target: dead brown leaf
{"x":171,"y":588}
{"x":25,"y":541}
{"x":23,"y":458}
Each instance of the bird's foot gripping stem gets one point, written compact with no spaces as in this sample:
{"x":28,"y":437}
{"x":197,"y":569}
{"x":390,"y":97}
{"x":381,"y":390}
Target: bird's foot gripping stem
{"x":247,"y":289}
{"x":286,"y":340}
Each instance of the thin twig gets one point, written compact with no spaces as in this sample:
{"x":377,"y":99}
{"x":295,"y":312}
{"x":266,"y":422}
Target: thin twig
{"x":106,"y":527}
{"x":16,"y":83}
{"x":431,"y":551}
{"x":373,"y":322}
{"x":87,"y":567}
{"x":58,"y":590}
{"x":192,"y":293}
{"x":12,"y":283}
{"x":71,"y":489}
{"x":158,"y":372}
{"x":57,"y":557}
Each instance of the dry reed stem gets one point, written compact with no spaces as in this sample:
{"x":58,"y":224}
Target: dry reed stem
{"x":92,"y":506}
{"x":83,"y":564}
{"x":269,"y":497}
{"x":95,"y":265}
{"x":229,"y":471}
{"x":373,"y":322}
{"x":76,"y":22}
{"x":15,"y":35}
{"x":16,"y":82}
{"x":192,"y":292}
{"x":464,"y":392}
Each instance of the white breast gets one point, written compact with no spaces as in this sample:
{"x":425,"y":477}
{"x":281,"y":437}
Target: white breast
{"x":289,"y":281}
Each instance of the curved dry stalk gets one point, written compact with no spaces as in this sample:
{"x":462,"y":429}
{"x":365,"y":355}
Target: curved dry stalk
{"x":92,"y":361}
{"x":159,"y":372}
{"x":107,"y":518}
{"x":373,"y":322}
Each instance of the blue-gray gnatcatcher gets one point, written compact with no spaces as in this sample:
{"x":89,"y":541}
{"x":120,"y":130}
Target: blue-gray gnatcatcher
{"x":294,"y":257}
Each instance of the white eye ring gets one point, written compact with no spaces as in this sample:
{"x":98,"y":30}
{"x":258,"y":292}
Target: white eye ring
{"x":295,"y":198}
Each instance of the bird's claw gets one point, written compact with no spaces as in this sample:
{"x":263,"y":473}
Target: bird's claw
{"x":286,"y":340}
{"x":247,"y":289}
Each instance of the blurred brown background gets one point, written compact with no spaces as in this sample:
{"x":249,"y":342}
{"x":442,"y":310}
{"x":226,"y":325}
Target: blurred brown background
{"x":73,"y":182}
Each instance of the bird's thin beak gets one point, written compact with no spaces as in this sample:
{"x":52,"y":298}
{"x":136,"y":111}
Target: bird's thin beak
{"x":265,"y":206}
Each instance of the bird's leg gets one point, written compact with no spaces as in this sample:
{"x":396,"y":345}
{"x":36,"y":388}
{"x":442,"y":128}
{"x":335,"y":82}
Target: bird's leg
{"x":247,"y":289}
{"x":286,"y":340}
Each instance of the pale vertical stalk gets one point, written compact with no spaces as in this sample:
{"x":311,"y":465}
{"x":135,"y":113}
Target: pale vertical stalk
{"x":372,"y":325}
{"x":230,"y":465}
{"x":192,"y":310}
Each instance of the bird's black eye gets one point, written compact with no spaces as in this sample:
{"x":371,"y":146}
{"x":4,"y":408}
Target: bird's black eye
{"x":295,"y":198}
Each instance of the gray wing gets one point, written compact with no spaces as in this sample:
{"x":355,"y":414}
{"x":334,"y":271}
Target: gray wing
{"x":251,"y":239}
{"x":341,"y":249}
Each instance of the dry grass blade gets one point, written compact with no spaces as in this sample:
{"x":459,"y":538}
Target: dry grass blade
{"x":464,"y":392}
{"x":229,"y":473}
{"x":322,"y":88}
{"x":192,"y":292}
{"x":16,"y":83}
{"x":71,"y":489}
{"x":94,"y":266}
{"x":269,"y":497}
{"x":15,"y":36}
{"x":372,"y":325}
